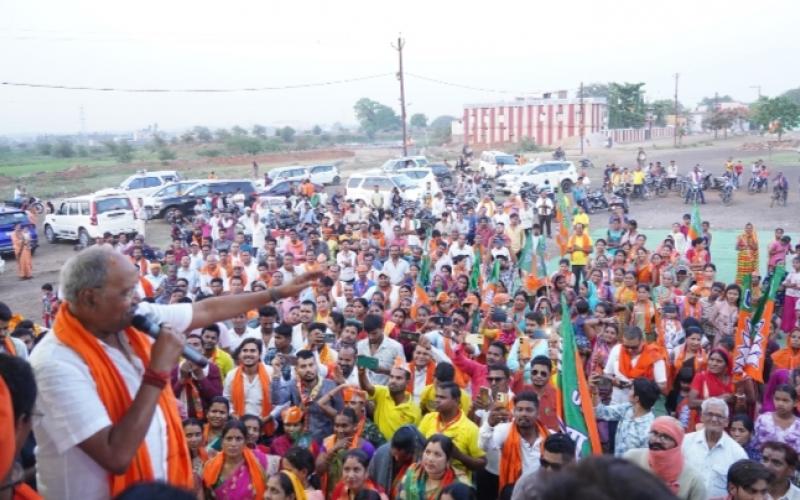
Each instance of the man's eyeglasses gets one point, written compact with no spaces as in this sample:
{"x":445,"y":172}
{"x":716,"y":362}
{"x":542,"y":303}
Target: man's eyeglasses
{"x":495,"y":379}
{"x":546,"y":464}
{"x":543,"y":373}
{"x":714,"y":416}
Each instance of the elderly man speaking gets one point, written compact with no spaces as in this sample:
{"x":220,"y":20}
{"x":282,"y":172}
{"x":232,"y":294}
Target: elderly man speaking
{"x":664,"y":458}
{"x":108,"y":417}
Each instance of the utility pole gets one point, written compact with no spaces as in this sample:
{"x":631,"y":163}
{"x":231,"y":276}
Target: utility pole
{"x":716,"y":103}
{"x":677,"y":121}
{"x":580,"y":124}
{"x":399,"y":49}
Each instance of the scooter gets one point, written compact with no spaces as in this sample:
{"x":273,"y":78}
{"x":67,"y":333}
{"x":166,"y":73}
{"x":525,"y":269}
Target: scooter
{"x":596,"y":200}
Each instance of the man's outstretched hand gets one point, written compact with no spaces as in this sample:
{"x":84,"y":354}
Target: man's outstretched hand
{"x":299,"y":283}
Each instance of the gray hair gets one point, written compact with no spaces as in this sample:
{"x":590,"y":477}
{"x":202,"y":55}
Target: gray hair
{"x":87,"y":269}
{"x":714,"y":401}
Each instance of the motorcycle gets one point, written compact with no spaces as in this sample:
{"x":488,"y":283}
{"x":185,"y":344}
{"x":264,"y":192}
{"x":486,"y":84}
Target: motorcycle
{"x":726,"y":193}
{"x":756,"y":185}
{"x":32,"y":202}
{"x":779,"y":195}
{"x":596,"y":200}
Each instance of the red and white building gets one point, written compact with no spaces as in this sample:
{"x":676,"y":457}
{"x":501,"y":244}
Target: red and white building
{"x":552,"y":120}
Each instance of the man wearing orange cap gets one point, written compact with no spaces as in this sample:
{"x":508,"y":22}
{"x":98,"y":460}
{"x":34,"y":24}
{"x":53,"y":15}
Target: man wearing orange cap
{"x":664,"y":459}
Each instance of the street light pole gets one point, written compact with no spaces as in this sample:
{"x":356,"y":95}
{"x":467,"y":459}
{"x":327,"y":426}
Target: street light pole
{"x":580,"y":124}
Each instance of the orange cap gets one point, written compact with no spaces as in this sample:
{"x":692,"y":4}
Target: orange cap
{"x":442,"y":297}
{"x":292,"y":415}
{"x":500,"y":299}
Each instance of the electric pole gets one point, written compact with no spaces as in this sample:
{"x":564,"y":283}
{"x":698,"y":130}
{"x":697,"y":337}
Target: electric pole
{"x":399,"y":48}
{"x":677,"y":122}
{"x":716,"y":104}
{"x":580,"y":124}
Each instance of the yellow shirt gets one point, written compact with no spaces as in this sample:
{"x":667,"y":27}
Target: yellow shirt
{"x":578,"y":243}
{"x":463,"y":432}
{"x":638,"y":176}
{"x":390,"y":416}
{"x":427,"y":399}
{"x":224,"y":362}
{"x":517,"y":237}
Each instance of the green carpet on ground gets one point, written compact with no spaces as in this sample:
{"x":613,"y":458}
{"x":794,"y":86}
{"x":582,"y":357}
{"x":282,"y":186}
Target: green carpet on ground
{"x":723,"y":249}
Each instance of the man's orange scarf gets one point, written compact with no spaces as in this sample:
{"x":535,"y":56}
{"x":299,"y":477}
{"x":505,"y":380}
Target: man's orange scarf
{"x":786,"y":358}
{"x":699,"y":359}
{"x":511,"y":459}
{"x":117,"y":400}
{"x":147,"y":288}
{"x":644,"y":365}
{"x":9,"y":345}
{"x":460,"y":378}
{"x":213,"y":469}
{"x":237,"y":391}
{"x":429,"y":369}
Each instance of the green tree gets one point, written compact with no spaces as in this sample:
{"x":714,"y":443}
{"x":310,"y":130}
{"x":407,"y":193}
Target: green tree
{"x":595,"y":89}
{"x":375,"y":117}
{"x":418,"y":120}
{"x":44,"y":148}
{"x":187,"y":137}
{"x":793,"y":95}
{"x":63,"y":149}
{"x":711,"y":101}
{"x":222,"y":134}
{"x":112,"y":147}
{"x":287,"y":134}
{"x":158,"y":142}
{"x":238,"y":131}
{"x":82,"y":151}
{"x":203,"y":134}
{"x":260,"y":131}
{"x":124,"y":153}
{"x":440,"y":130}
{"x":244,"y":145}
{"x":165,"y":155}
{"x":625,"y":105}
{"x":776,"y":115}
{"x":661,"y":109}
{"x":317,"y":130}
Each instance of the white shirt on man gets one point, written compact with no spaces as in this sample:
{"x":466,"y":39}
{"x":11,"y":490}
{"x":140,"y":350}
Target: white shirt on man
{"x":396,"y":270}
{"x":711,"y":464}
{"x":253,"y":395}
{"x":492,"y":439}
{"x":71,"y":412}
{"x":619,"y":395}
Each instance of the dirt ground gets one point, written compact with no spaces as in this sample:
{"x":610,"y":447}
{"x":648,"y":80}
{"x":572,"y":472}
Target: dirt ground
{"x":23,"y":297}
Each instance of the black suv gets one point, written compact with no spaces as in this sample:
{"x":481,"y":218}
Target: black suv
{"x":184,"y":204}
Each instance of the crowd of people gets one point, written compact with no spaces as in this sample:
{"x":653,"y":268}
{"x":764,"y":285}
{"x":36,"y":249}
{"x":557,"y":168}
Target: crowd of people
{"x":350,"y":358}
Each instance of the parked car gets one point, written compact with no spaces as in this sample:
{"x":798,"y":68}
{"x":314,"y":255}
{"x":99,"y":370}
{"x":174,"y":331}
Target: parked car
{"x":279,"y":192}
{"x":361,"y":186}
{"x":183,"y":204}
{"x":168,"y":191}
{"x":291,"y":173}
{"x":443,"y":174}
{"x":9,"y":218}
{"x":405,"y":162}
{"x":492,"y":162}
{"x":84,"y":218}
{"x":559,"y":174}
{"x":144,"y":183}
{"x":325,"y":174}
{"x":420,"y":177}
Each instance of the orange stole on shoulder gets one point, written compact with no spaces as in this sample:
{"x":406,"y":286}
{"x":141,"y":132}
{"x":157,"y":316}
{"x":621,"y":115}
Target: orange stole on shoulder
{"x":511,"y":459}
{"x":115,"y":397}
{"x":213,"y":469}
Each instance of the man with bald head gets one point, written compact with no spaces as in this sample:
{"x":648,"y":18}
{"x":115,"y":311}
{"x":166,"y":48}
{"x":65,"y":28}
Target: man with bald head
{"x":108,"y":415}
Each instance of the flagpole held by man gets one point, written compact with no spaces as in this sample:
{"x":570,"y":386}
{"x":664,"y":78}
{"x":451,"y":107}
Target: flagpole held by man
{"x":108,"y":418}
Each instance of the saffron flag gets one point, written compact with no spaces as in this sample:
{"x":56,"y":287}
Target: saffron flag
{"x":564,"y":219}
{"x":742,"y":336}
{"x":576,"y":409}
{"x":695,"y":223}
{"x":760,"y":326}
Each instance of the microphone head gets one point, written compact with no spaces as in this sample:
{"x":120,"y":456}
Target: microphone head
{"x":143,"y":323}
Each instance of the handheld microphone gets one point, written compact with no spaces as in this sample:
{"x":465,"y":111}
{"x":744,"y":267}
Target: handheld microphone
{"x":152,"y":329}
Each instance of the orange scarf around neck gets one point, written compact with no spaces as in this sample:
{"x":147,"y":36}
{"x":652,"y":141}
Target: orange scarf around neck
{"x":213,"y":469}
{"x":511,"y":459}
{"x":117,"y":400}
{"x":786,"y":358}
{"x":644,"y":365}
{"x":429,"y":369}
{"x":237,"y":391}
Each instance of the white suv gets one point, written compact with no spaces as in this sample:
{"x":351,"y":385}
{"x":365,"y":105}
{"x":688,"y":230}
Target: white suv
{"x":405,"y":162}
{"x":492,"y":162}
{"x":324,"y":174}
{"x":87,"y":217}
{"x":559,"y":174}
{"x":361,"y":187}
{"x":144,"y":183}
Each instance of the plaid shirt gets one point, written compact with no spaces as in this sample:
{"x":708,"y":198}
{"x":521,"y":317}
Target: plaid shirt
{"x":632,"y":432}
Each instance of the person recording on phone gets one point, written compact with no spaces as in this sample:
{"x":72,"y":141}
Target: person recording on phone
{"x":108,"y":418}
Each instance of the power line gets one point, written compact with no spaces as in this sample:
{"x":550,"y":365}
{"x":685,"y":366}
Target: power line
{"x":477,"y":89}
{"x":195,"y":90}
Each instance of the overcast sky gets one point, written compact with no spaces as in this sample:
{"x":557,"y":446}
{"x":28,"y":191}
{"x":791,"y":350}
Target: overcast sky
{"x":520,"y":47}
